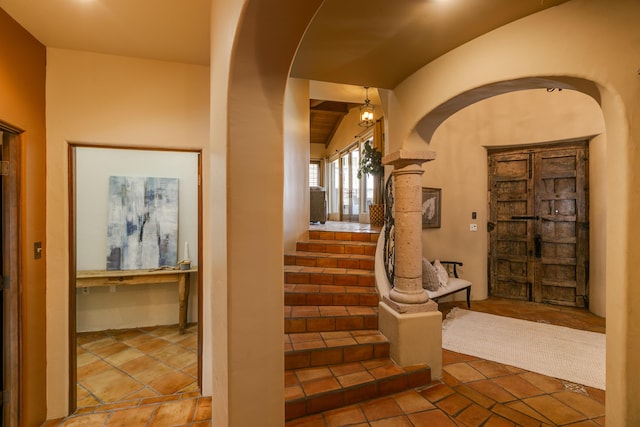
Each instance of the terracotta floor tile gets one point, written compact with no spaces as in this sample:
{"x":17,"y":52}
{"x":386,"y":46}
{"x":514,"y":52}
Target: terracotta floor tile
{"x":497,"y":421}
{"x":581,"y":403}
{"x":124,"y":356}
{"x":474,"y":415}
{"x":91,"y":369}
{"x":492,"y":390}
{"x":306,"y":345}
{"x":519,"y":417}
{"x":110,"y":349}
{"x":517,"y":386}
{"x":137,"y":365}
{"x":400,"y":421}
{"x":386,"y":371}
{"x":490,"y":369}
{"x":464,"y":372}
{"x":412,"y":401}
{"x":153,"y":371}
{"x":131,"y":417}
{"x":312,"y":421}
{"x":85,"y":359}
{"x":111,"y":385}
{"x":475,"y":396}
{"x":436,"y":393}
{"x":349,"y":368}
{"x":434,"y":418}
{"x":312,"y":374}
{"x":340,"y":342}
{"x":554,"y":409}
{"x":310,"y":336}
{"x":381,"y":408}
{"x":171,"y":383}
{"x":93,"y":420}
{"x":454,"y":404}
{"x":320,"y":386}
{"x":544,"y":383}
{"x":344,"y":416}
{"x":173,"y":413}
{"x":293,"y":392}
{"x":527,"y":410}
{"x":355,"y":379}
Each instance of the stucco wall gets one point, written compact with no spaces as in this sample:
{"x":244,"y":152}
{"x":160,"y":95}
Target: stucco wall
{"x":104,"y":99}
{"x":22,"y":106}
{"x":596,"y":42}
{"x":460,"y":169}
{"x":296,"y":162}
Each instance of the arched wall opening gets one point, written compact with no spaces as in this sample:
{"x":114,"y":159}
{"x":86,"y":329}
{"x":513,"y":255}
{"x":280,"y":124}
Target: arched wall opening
{"x":483,"y":119}
{"x":578,"y":38}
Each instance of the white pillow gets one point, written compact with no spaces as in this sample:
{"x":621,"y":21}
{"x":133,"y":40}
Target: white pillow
{"x":443,"y":276}
{"x":430,"y":280}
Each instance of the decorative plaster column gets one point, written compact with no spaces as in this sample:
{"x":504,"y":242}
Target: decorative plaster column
{"x":407,"y":191}
{"x":407,"y":317}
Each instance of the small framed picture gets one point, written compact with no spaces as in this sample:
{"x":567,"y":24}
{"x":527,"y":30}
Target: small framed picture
{"x":431,"y":207}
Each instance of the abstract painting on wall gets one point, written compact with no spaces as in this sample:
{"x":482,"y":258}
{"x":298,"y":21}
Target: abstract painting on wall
{"x":142,"y":230}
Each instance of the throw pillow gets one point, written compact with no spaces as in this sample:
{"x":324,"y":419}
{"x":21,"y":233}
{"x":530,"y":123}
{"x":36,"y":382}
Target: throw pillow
{"x":443,"y":276}
{"x":429,"y":276}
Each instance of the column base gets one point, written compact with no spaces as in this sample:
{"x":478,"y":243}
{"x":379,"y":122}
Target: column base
{"x":414,"y":337}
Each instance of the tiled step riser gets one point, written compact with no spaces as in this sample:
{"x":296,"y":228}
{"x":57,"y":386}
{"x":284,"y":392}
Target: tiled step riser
{"x":334,"y":356}
{"x":310,"y":299}
{"x":327,"y":262}
{"x":337,"y":248}
{"x":351,"y":395}
{"x":343,"y":235}
{"x":329,"y":324}
{"x":296,"y":278}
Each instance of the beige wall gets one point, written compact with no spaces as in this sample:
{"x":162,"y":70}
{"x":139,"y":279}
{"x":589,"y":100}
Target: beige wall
{"x":296,"y":161}
{"x":104,"y":99}
{"x":592,"y":41}
{"x":22,"y":106}
{"x":460,"y":169}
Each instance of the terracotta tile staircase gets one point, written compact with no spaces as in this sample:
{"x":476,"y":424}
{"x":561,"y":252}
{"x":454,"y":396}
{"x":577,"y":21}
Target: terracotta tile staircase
{"x":334,"y":354}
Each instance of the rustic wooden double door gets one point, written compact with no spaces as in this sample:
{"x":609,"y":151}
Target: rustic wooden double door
{"x":539,"y":224}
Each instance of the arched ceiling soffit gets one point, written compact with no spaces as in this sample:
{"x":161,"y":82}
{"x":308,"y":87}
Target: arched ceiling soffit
{"x":429,"y":123}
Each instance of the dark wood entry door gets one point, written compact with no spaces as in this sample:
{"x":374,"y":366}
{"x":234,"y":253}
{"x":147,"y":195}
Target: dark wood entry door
{"x":538,"y":224}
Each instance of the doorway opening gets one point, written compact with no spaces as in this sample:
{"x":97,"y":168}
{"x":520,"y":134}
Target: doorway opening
{"x":135,"y":292}
{"x":539,"y":223}
{"x":11,"y":283}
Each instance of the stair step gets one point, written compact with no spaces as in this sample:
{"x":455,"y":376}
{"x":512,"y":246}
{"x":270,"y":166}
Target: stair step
{"x":304,"y":294}
{"x":330,"y":348}
{"x":319,"y":259}
{"x":295,"y":275}
{"x":313,"y":390}
{"x":300,"y":319}
{"x":359,"y":236}
{"x":337,"y":247}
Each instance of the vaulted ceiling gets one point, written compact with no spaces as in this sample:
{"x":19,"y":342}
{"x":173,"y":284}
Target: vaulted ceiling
{"x":376,"y":43}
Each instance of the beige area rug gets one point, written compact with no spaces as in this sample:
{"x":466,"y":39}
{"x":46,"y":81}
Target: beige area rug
{"x":556,"y":351}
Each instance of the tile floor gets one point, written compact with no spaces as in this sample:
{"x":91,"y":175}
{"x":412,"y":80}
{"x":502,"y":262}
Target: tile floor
{"x":138,"y":377}
{"x":473,"y":392}
{"x":476,"y":392}
{"x":143,"y":363}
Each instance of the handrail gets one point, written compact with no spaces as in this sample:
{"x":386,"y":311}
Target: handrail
{"x":389,"y":232}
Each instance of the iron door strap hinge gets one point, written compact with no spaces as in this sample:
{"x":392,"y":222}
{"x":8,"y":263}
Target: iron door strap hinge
{"x":4,"y":168}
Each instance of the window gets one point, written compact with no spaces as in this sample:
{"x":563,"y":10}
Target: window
{"x":314,"y":174}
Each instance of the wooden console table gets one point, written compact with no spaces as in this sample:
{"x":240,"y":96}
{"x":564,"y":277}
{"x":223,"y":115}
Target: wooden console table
{"x":92,"y":278}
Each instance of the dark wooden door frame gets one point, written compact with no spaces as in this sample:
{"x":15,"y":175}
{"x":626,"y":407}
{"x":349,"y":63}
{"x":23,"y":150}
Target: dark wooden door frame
{"x":11,"y":283}
{"x":72,"y":259}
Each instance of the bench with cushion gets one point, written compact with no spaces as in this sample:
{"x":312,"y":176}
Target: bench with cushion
{"x":441,"y":279}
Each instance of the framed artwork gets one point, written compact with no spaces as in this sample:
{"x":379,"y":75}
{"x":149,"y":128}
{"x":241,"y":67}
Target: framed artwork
{"x":431,"y":207}
{"x":142,"y":232}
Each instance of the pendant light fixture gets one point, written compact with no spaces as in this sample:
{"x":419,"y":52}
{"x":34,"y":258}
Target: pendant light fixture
{"x":366,"y":112}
